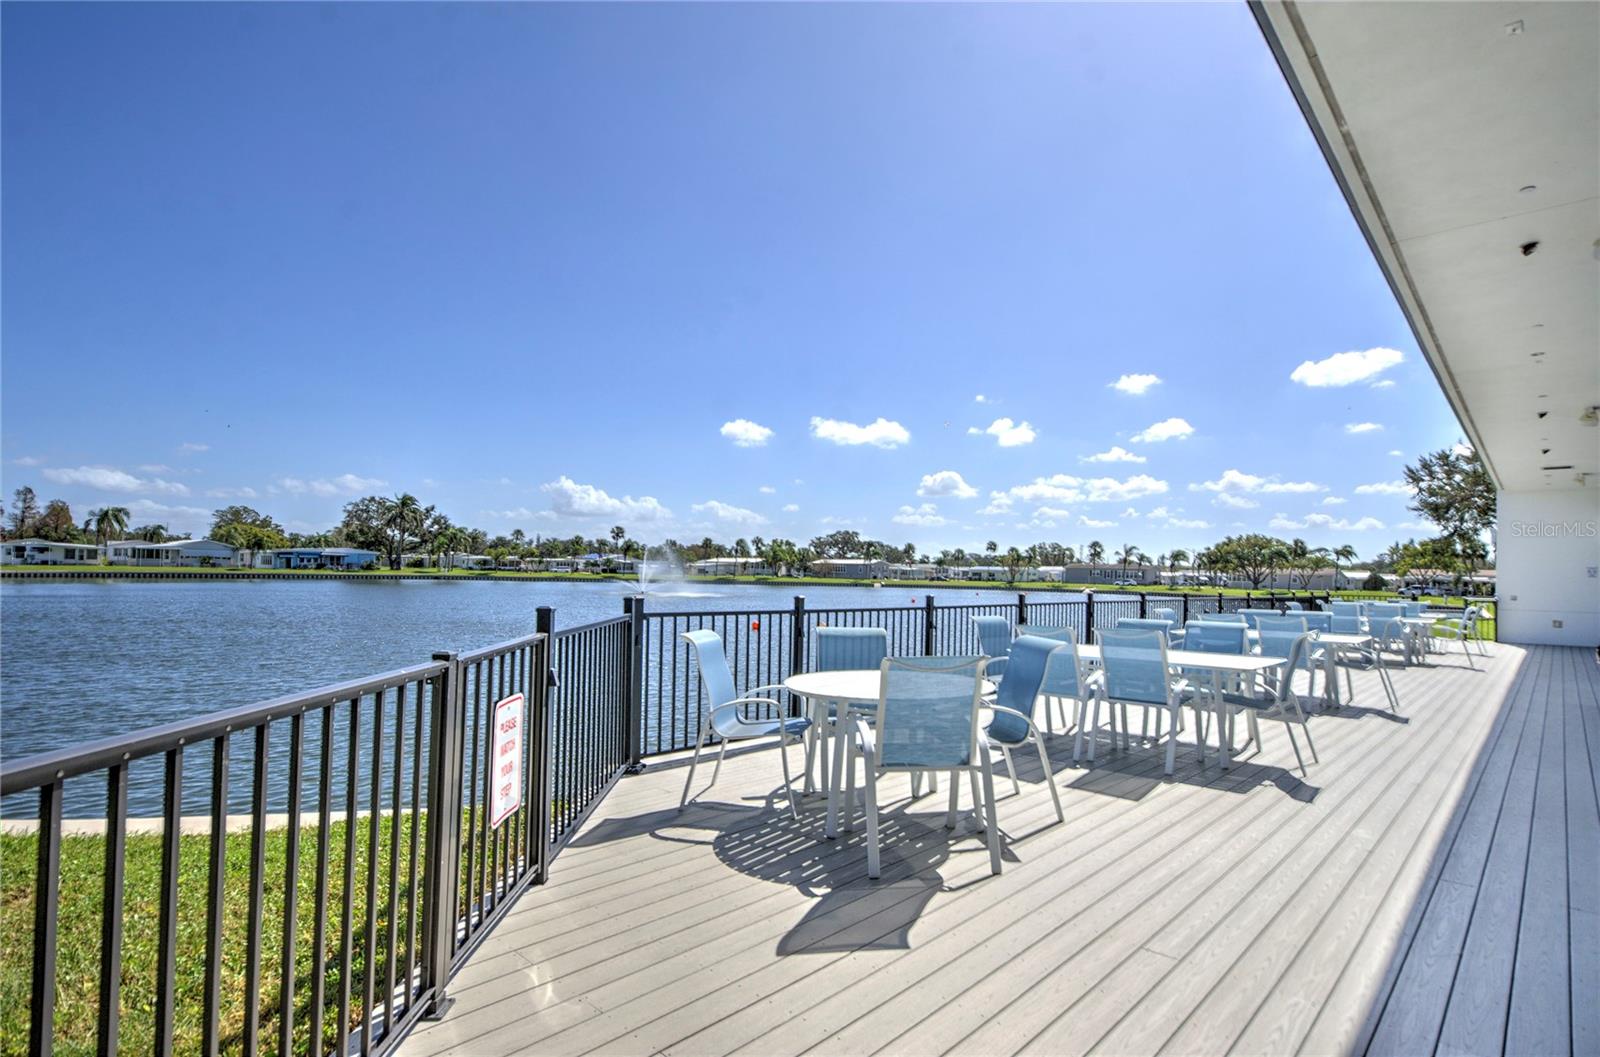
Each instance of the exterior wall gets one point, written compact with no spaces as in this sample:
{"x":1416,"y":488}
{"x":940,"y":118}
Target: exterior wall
{"x":849,"y":568}
{"x":1547,"y":567}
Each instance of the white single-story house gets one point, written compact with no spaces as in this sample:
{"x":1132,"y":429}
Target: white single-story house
{"x":47,"y":552}
{"x":555,"y":565}
{"x":731,"y":567}
{"x":187,"y":553}
{"x":856,"y":568}
{"x":349,"y":558}
{"x":471,"y":561}
{"x":912,"y":571}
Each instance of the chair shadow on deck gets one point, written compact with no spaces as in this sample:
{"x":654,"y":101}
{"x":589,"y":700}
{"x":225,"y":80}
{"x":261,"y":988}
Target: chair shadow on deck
{"x":759,"y":839}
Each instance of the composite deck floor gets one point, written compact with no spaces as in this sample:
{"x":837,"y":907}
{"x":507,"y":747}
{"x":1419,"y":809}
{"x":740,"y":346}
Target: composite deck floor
{"x":1433,"y":886}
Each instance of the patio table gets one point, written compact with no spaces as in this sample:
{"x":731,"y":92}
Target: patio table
{"x":1248,"y":665}
{"x":846,"y":689}
{"x":1338,"y":643}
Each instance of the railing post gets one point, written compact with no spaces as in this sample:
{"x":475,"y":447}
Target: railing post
{"x":1144,"y":606}
{"x":797,"y":637}
{"x":634,"y":607}
{"x":1186,"y":609}
{"x":1088,"y":616}
{"x":1022,"y":608}
{"x":443,"y":871}
{"x":928,"y":625}
{"x":543,"y":682}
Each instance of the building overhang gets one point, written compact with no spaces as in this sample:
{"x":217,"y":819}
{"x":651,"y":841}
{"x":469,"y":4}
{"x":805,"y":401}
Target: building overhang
{"x":1466,"y":140}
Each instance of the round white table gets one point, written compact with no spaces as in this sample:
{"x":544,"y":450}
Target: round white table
{"x":846,"y":688}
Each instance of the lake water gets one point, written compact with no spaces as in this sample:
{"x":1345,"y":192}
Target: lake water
{"x":81,"y":660}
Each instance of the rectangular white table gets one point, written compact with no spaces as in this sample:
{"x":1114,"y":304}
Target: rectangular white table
{"x":1248,"y":665}
{"x":1338,"y":643}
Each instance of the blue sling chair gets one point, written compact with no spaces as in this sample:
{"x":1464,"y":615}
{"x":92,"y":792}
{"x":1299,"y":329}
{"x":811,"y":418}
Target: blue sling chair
{"x":843,"y":649}
{"x":994,"y":642}
{"x":1012,"y":725}
{"x":927,"y":721}
{"x":726,"y":716}
{"x":1279,"y":704}
{"x":1134,"y":671}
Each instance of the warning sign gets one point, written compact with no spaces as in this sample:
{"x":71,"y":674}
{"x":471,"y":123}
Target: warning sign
{"x":505,"y":760}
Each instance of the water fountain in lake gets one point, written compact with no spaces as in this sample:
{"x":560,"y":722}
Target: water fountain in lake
{"x":663,"y":577}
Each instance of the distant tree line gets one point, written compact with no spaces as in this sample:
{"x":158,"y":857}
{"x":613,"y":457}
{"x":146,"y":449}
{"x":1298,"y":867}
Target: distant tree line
{"x":1452,"y":490}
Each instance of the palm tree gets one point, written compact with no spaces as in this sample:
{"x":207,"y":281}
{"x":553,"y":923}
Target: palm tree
{"x":618,"y":534}
{"x":991,"y":547}
{"x":109,"y":523}
{"x":402,"y":520}
{"x":1097,"y":552}
{"x":1342,"y":553}
{"x":1176,"y":559}
{"x":1128,"y":553}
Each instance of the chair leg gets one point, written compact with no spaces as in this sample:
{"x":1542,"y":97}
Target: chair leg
{"x":933,"y":781}
{"x":717,"y":770}
{"x":1310,"y":744}
{"x":689,"y":781}
{"x":1077,"y":739}
{"x":916,"y":784}
{"x":788,"y":782}
{"x":850,"y":784}
{"x":977,"y":796}
{"x":809,"y":739}
{"x":1049,"y":777}
{"x":955,"y":793}
{"x":1172,"y":741}
{"x":992,"y":823}
{"x":1296,"y":747}
{"x":1011,"y":769}
{"x":871,"y":784}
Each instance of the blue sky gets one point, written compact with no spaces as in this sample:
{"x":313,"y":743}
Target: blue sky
{"x":709,"y":269}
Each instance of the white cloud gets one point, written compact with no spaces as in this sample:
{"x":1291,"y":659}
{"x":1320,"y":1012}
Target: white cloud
{"x":344,"y":484}
{"x":1461,"y":449}
{"x":880,"y":434}
{"x":1333,"y":500}
{"x":191,"y":447}
{"x":1159,"y":511}
{"x":791,"y":508}
{"x":1346,"y":368}
{"x":1397,"y":453}
{"x":1187,"y":523}
{"x":1234,"y":502}
{"x":734,"y":515}
{"x":981,"y":399}
{"x":1417,"y":526}
{"x":1167,"y":429}
{"x":746,"y":434}
{"x":1130,"y":512}
{"x":946,"y":483}
{"x":1064,"y":488}
{"x":585,"y":500}
{"x":926,"y":514}
{"x":767,"y":489}
{"x":974,"y":431}
{"x":1362,"y":427}
{"x":27,"y":460}
{"x":999,"y":503}
{"x":1052,"y":512}
{"x":1385,"y":383}
{"x":350,"y":483}
{"x":1088,"y":522}
{"x":1384,"y":488}
{"x":1116,"y":454}
{"x":1326,"y":521}
{"x":190,"y":520}
{"x":1011,"y":434}
{"x":520,"y":513}
{"x":111,"y":480}
{"x":1135,"y":384}
{"x":1237,"y":481}
{"x":233,"y":493}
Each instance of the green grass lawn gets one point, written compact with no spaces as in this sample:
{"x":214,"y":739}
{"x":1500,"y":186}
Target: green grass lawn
{"x":79,"y":953}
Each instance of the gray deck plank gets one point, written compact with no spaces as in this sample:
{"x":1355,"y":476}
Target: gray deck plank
{"x":1209,"y":912}
{"x":1475,"y":1017}
{"x":1414,"y":1006}
{"x":1540,"y":1019}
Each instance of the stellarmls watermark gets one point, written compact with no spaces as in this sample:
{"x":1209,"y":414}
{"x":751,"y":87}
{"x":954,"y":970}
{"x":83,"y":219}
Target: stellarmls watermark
{"x":1552,"y":529}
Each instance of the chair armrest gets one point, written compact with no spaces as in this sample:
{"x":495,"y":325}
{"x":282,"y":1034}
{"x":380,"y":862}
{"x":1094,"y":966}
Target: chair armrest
{"x":1032,"y":727}
{"x":736,"y":702}
{"x":869,"y":747}
{"x":995,"y":666}
{"x":770,"y":686}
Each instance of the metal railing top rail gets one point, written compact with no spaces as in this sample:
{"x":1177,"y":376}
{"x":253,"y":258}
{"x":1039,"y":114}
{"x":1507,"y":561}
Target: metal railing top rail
{"x":485,"y":652}
{"x":577,"y":629}
{"x":46,"y":767}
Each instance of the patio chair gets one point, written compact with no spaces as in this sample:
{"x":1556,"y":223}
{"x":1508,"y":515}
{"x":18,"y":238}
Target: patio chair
{"x":994,"y":642}
{"x":1281,"y":704}
{"x":1235,"y":617}
{"x":1463,"y":629}
{"x":1252,"y":615}
{"x":726,"y":714}
{"x":1167,"y":628}
{"x":1315,"y":621}
{"x":927,"y":720}
{"x":843,"y":649}
{"x":1348,"y":619}
{"x":1210,"y":636}
{"x":1133,"y":672}
{"x":1012,"y":725}
{"x":1390,"y":632}
{"x":1278,"y":636}
{"x":1294,"y":607}
{"x":1165,"y":613}
{"x":1042,"y":632}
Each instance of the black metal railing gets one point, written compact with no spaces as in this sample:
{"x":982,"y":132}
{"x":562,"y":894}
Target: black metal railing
{"x":388,"y":823}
